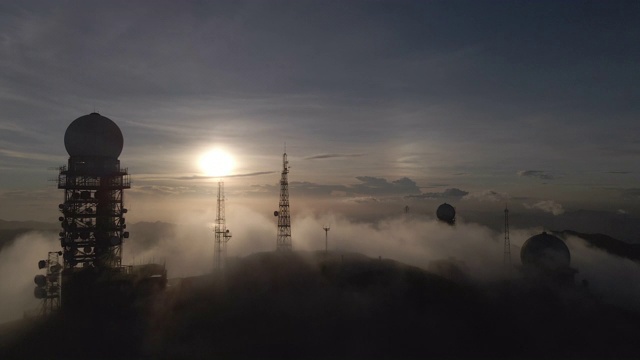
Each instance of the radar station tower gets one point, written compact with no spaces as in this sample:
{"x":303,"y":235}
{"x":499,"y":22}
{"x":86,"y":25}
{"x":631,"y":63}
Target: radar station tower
{"x":283,"y":242}
{"x":93,"y":224}
{"x":223,"y":235}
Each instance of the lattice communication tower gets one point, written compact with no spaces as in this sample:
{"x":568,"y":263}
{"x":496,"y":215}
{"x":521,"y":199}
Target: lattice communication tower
{"x":222,"y":234}
{"x":283,"y":242}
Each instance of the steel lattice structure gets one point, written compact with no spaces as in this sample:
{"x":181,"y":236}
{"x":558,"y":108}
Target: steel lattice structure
{"x":48,"y":287}
{"x":93,"y":225}
{"x":222,"y":234}
{"x":284,"y":217}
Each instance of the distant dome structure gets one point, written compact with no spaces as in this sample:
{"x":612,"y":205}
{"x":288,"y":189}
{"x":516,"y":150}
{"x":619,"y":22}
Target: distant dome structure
{"x":93,"y":135}
{"x":546,"y":252}
{"x":446,"y":213}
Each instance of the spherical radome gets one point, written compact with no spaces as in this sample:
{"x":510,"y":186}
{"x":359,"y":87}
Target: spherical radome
{"x":93,"y":135}
{"x":446,"y":213}
{"x":545,"y":251}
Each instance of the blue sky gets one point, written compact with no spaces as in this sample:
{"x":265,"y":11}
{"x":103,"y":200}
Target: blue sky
{"x":534,"y":103}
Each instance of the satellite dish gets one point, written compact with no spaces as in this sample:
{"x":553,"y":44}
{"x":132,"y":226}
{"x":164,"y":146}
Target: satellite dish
{"x":40,"y":280}
{"x":42,"y":264}
{"x":275,"y":213}
{"x":39,"y":293}
{"x":56,"y":268}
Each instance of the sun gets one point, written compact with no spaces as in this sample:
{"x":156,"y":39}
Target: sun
{"x":217,"y":163}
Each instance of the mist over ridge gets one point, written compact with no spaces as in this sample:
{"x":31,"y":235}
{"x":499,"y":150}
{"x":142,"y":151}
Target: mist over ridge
{"x":413,"y":239}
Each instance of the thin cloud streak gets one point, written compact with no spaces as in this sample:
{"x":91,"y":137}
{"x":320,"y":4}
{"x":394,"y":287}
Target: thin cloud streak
{"x":536,"y":174}
{"x":28,"y":155}
{"x":202,"y":177}
{"x":330,"y":156}
{"x":549,"y":206}
{"x":451,"y":193}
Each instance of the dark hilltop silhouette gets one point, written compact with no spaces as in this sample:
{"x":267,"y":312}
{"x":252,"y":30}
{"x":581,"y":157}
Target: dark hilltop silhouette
{"x":340,"y":305}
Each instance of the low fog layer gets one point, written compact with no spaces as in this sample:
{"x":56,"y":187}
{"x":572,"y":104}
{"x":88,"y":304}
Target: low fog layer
{"x":18,"y":266}
{"x":187,"y":250}
{"x":413,"y":239}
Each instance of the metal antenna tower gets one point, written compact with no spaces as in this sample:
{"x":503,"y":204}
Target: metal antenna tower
{"x":507,"y":243}
{"x":223,"y":235}
{"x":49,"y":286}
{"x":284,"y":217}
{"x":326,"y":239}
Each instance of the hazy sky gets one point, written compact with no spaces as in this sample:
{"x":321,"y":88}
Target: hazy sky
{"x":417,"y":102}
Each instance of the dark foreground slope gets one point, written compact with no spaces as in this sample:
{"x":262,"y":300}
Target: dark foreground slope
{"x":347,"y":306}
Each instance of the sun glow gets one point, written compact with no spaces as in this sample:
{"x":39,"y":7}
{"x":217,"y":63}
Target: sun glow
{"x":217,"y":163}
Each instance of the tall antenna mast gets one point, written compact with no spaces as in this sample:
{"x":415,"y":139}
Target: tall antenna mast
{"x":223,"y":235}
{"x":507,"y":243}
{"x":283,"y":242}
{"x":326,"y":239}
